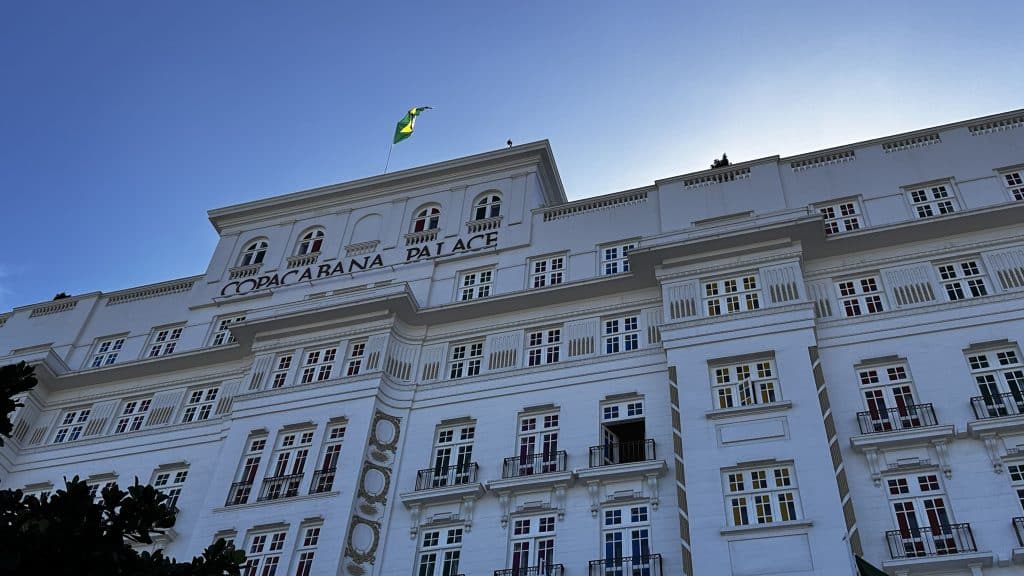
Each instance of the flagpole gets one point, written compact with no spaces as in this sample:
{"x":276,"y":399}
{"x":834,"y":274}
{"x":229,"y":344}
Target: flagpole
{"x":388,"y":163}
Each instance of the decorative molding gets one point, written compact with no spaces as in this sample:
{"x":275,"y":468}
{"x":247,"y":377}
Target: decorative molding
{"x":57,"y":307}
{"x":717,"y":178}
{"x":996,"y":125}
{"x":610,"y":201}
{"x":822,"y":160}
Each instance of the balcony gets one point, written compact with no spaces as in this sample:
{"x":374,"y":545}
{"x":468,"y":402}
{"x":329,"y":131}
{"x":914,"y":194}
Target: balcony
{"x":997,"y":414}
{"x":530,"y":464}
{"x":414,"y":238}
{"x":239,"y":493}
{"x":456,"y":475}
{"x":323,"y":481}
{"x":277,"y":487}
{"x":613,"y":453}
{"x":483,"y":225}
{"x":894,"y":419}
{"x":301,"y":260}
{"x":945,"y":547}
{"x":647,"y":565}
{"x":542,"y":570}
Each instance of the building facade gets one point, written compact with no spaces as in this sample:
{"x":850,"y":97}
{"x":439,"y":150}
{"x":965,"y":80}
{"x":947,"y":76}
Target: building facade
{"x":452,"y":369}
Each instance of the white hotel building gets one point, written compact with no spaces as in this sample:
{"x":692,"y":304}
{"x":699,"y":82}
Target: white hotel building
{"x":454,"y":370}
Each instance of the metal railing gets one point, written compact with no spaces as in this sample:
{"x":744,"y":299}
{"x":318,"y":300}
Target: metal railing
{"x":622,"y":452}
{"x":541,"y":570}
{"x":902,"y":418}
{"x":277,"y":487}
{"x":323,"y":480}
{"x":646,"y":565}
{"x":996,"y":405}
{"x":1018,"y":527}
{"x":930,"y":541}
{"x":531,"y":464}
{"x":446,"y":476}
{"x":238,"y":494}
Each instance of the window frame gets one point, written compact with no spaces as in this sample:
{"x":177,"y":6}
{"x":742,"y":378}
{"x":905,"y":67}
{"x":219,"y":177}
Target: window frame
{"x":266,"y":560}
{"x":729,"y":376}
{"x":994,"y":380}
{"x":744,"y":506}
{"x":737,"y":292}
{"x":466,"y":358}
{"x":132,"y":415}
{"x":481,"y":284}
{"x":71,"y":425}
{"x":614,"y":257}
{"x":305,"y":548}
{"x":106,"y":350}
{"x":164,"y":340}
{"x":925,"y":201}
{"x":200,"y":408}
{"x":171,"y":481}
{"x":837,"y":220}
{"x":632,"y":523}
{"x":860,"y":298}
{"x":453,"y":448}
{"x":355,"y":356}
{"x":310,"y":241}
{"x":281,"y":369}
{"x":318,"y":364}
{"x":222,"y":335}
{"x":330,"y":456}
{"x":254,"y":252}
{"x":624,"y":337}
{"x":539,"y":544}
{"x":426,"y":218}
{"x":1013,"y":181}
{"x":439,"y":551}
{"x":963,"y":278}
{"x":554,"y":268}
{"x":490,"y":203}
{"x":543,"y":345}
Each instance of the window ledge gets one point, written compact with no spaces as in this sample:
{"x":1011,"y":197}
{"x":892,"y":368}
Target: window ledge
{"x":897,"y":438}
{"x":961,"y":561}
{"x":244,"y":271}
{"x":1004,"y":424}
{"x":532,"y":481}
{"x":290,"y":500}
{"x":644,"y":468}
{"x":731,"y":530}
{"x":472,"y":490}
{"x":748,"y":410}
{"x":483,"y":225}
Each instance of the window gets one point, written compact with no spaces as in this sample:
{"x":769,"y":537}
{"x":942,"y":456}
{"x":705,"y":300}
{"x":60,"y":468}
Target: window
{"x":170,"y":482}
{"x":745,"y":384}
{"x":305,"y":550}
{"x":254,"y":253}
{"x":453,"y":455}
{"x":133,"y":415}
{"x":246,"y":476}
{"x":533,"y":544}
{"x":543,"y":346}
{"x":98,"y":484}
{"x":263,"y":553}
{"x":732,"y":295}
{"x":223,"y":335}
{"x":919,"y":506}
{"x":428,"y":218}
{"x":889,"y":396}
{"x":356,"y":352}
{"x":310,"y":242}
{"x":106,"y":352}
{"x":1017,"y":479}
{"x":72,"y":423}
{"x":199,"y":404}
{"x":475,"y":284}
{"x":623,"y":434}
{"x":999,"y":376}
{"x":318,"y":365}
{"x":164,"y":341}
{"x":282,"y":367}
{"x":860,"y":296}
{"x":614,"y":259}
{"x":547,"y":271}
{"x":963,"y":279}
{"x":538,"y":446}
{"x":1015,"y":184}
{"x":761,"y":495}
{"x":323,"y":478}
{"x":626,"y":532}
{"x":932,"y":200}
{"x":289,"y":463}
{"x":841,"y":217}
{"x":465,"y":359}
{"x":621,"y":334}
{"x":439,"y":552}
{"x":488,"y":206}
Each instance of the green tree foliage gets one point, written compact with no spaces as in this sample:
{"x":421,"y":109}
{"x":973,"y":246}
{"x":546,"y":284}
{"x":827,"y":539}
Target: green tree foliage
{"x":72,"y":533}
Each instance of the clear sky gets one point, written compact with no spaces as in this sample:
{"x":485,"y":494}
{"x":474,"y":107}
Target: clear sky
{"x":121,"y":123}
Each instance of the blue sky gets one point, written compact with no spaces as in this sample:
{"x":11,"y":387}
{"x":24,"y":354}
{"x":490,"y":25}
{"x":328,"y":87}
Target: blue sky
{"x":121,"y":123}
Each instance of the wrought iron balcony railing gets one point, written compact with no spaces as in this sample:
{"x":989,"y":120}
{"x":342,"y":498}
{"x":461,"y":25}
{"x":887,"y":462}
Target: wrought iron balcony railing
{"x":930,"y":541}
{"x":446,"y":476}
{"x":622,"y":452}
{"x":239,"y":493}
{"x":277,"y":487}
{"x":902,"y":418}
{"x":646,"y":565}
{"x":996,"y":405}
{"x":1018,"y":527}
{"x":541,"y":570}
{"x":323,"y":480}
{"x":530,"y":464}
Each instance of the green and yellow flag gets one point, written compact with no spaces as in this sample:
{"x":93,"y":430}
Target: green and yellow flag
{"x":404,"y":128}
{"x":865,"y":568}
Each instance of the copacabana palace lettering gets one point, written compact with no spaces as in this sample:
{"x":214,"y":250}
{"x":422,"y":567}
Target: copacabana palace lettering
{"x":367,"y":262}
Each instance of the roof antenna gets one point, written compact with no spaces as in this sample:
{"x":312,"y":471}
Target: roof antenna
{"x":509,"y":142}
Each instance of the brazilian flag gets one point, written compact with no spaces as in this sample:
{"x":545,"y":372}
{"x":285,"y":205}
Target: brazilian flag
{"x":404,"y":128}
{"x":864,"y":568}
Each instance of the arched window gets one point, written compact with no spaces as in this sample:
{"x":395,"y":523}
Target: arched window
{"x":428,"y":218}
{"x":310,"y":242}
{"x":254,"y":253}
{"x":488,"y":206}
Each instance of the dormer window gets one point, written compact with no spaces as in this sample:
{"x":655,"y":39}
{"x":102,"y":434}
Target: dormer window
{"x":488,"y":206}
{"x":254,"y":253}
{"x":311,"y":242}
{"x":428,"y":218}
